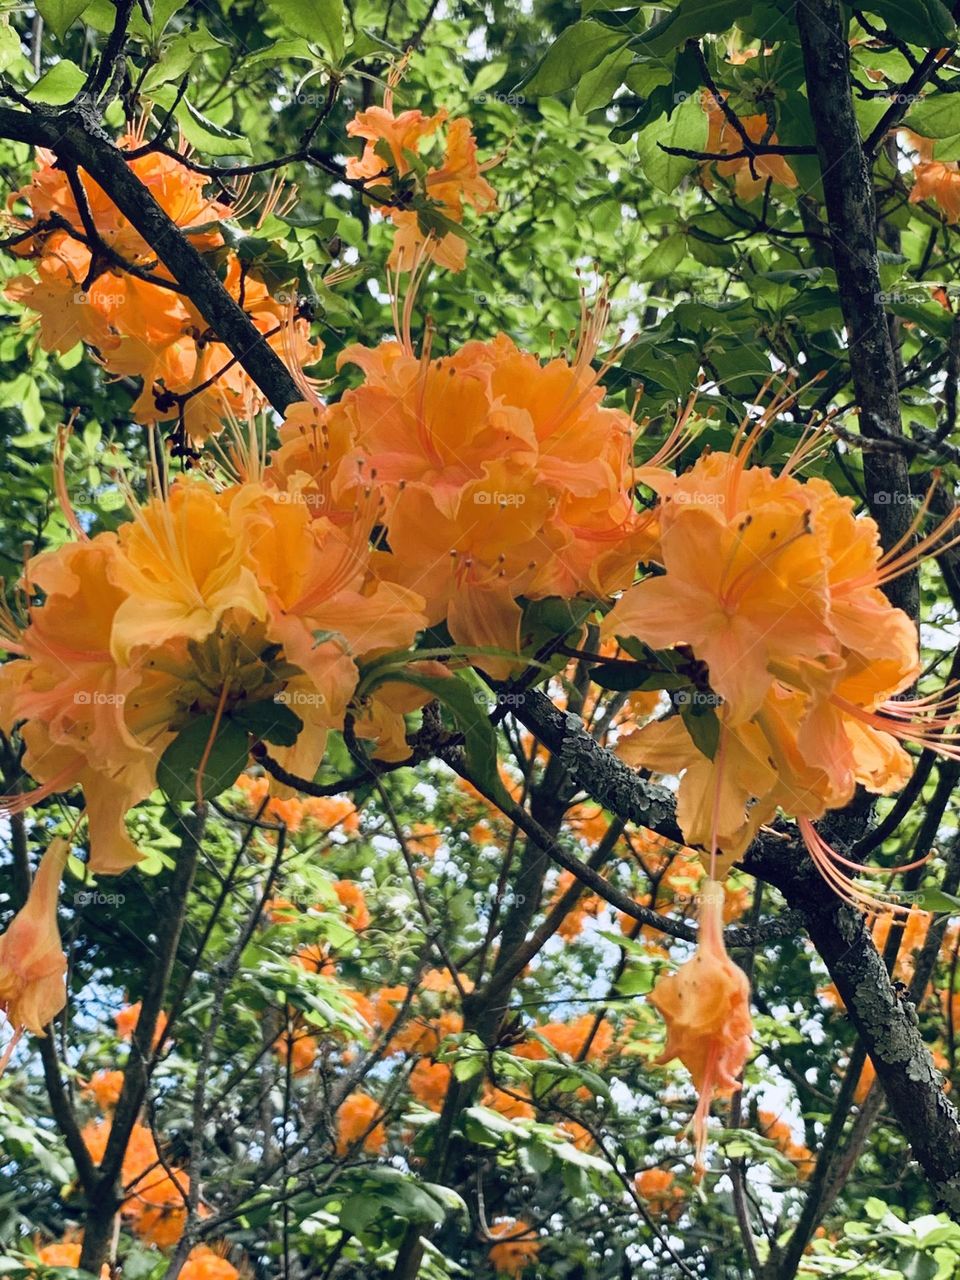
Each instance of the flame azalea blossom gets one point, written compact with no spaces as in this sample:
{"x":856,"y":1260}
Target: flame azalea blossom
{"x":203,"y":1263}
{"x":208,"y":600}
{"x":67,"y":1254}
{"x":391,"y":147}
{"x":939,"y":181}
{"x":806,"y":658}
{"x":706,"y":1006}
{"x":517,"y":1246}
{"x":502,"y":477}
{"x":147,"y":328}
{"x":32,"y":963}
{"x":750,"y":174}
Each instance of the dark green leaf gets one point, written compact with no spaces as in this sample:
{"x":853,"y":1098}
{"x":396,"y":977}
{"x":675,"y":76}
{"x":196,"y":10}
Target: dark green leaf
{"x":578,"y":50}
{"x":177,"y":770}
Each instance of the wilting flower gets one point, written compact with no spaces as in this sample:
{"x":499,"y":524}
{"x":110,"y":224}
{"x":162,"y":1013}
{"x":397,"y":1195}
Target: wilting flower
{"x":706,"y":1006}
{"x":32,"y":963}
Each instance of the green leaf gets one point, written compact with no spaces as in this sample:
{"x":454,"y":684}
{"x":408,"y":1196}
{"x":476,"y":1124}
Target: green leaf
{"x":59,"y":85}
{"x":162,"y":12}
{"x":280,"y":51}
{"x":935,"y":900}
{"x":470,"y":712}
{"x":690,"y":20}
{"x":663,"y":258}
{"x":177,"y":770}
{"x":926,"y":23}
{"x":578,"y":50}
{"x":179,"y":56}
{"x":598,"y":86}
{"x":60,"y":15}
{"x":935,"y":116}
{"x":213,"y":139}
{"x":319,"y":21}
{"x":270,"y":721}
{"x":703,"y":726}
{"x":686,"y":128}
{"x":10,"y":50}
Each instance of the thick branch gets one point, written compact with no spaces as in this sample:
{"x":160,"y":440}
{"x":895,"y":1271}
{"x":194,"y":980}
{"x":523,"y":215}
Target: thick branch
{"x":851,"y":215}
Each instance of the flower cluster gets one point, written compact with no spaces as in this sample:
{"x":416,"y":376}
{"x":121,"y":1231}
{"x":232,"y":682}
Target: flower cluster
{"x":502,"y":476}
{"x":800,"y":651}
{"x":97,"y":281}
{"x":393,"y":173}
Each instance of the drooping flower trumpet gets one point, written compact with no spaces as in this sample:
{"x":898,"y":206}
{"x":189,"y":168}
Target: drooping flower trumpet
{"x":706,"y":1006}
{"x":32,"y":962}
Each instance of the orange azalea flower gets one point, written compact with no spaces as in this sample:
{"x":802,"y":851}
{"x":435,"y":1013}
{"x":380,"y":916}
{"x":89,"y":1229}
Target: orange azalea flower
{"x":206,"y":601}
{"x":501,"y":477}
{"x":750,"y":175}
{"x":805,"y":712}
{"x":315,"y":959}
{"x":658,"y":1187}
{"x":446,"y":189}
{"x":32,"y":963}
{"x":155,"y":1194}
{"x":352,"y":900}
{"x":104,"y":1088}
{"x":203,"y":1263}
{"x":66,"y":1254}
{"x":779,"y":1132}
{"x":332,"y":812}
{"x":141,"y":328}
{"x":939,"y":181}
{"x":360,"y":1123}
{"x":569,"y":1038}
{"x":299,"y":1048}
{"x":429,"y":1082}
{"x":128,"y":1017}
{"x":706,"y":1006}
{"x":188,"y":361}
{"x":424,"y":839}
{"x":507,"y":1103}
{"x":72,"y":695}
{"x":517,"y":1247}
{"x":457,"y":182}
